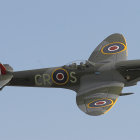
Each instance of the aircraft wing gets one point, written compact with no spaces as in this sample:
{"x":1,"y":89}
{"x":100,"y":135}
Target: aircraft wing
{"x":100,"y":100}
{"x":113,"y":48}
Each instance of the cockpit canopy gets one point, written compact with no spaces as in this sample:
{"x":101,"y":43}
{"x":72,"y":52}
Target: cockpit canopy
{"x":79,"y":64}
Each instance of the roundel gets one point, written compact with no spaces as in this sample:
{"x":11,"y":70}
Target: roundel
{"x":113,"y":48}
{"x":60,"y":76}
{"x":100,"y":103}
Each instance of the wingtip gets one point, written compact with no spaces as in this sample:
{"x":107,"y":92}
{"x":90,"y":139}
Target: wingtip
{"x":118,"y":37}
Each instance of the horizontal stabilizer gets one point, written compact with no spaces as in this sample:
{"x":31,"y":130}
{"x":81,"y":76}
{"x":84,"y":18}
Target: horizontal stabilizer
{"x":8,"y":67}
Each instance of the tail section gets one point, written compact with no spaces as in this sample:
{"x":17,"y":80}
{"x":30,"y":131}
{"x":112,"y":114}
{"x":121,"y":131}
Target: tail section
{"x":5,"y":74}
{"x":8,"y":67}
{"x":2,"y":70}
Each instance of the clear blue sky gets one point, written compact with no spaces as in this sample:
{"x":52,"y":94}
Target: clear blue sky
{"x":36,"y":34}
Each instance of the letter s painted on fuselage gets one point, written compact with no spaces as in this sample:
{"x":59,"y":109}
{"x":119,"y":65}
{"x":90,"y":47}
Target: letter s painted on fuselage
{"x":74,"y":79}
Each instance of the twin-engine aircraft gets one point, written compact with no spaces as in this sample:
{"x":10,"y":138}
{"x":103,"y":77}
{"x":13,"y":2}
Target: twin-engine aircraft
{"x":97,"y":81}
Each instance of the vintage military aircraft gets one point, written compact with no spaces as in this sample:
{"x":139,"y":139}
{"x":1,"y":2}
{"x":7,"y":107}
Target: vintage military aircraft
{"x":97,"y":81}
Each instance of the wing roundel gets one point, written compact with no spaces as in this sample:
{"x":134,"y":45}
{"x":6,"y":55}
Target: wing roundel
{"x":99,"y":101}
{"x":113,"y":48}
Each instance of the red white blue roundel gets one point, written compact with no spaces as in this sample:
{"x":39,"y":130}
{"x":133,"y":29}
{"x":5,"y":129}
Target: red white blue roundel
{"x":113,"y":48}
{"x":100,"y":103}
{"x":60,"y":76}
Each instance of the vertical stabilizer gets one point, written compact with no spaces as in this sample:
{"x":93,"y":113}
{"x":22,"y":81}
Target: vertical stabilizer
{"x":2,"y":69}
